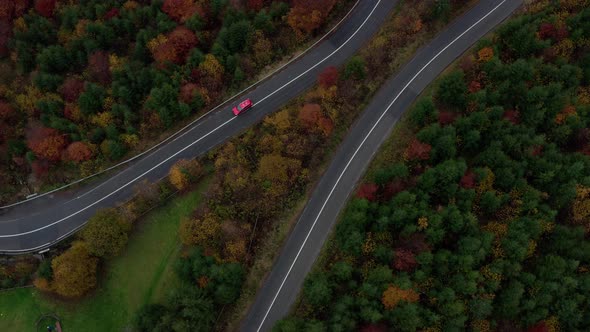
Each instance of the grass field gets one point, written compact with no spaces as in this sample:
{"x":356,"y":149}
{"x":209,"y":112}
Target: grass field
{"x":142,"y":274}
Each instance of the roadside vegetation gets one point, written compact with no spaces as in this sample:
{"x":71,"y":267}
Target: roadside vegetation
{"x":143,"y":273}
{"x":275,"y":161}
{"x":478,"y":219}
{"x":85,"y":83}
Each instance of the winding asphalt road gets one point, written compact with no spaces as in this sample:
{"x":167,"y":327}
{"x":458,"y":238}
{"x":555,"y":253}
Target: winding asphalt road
{"x":39,"y":223}
{"x":282,"y":286}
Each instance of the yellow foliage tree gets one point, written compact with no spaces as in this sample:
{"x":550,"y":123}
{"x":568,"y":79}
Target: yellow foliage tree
{"x":203,"y":231}
{"x":393,"y":295}
{"x":485,"y":54}
{"x":581,"y":207}
{"x":183,"y":172}
{"x":74,"y":271}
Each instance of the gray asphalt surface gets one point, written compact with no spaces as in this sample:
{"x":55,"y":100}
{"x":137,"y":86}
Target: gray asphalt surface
{"x":297,"y":257}
{"x":40,"y":223}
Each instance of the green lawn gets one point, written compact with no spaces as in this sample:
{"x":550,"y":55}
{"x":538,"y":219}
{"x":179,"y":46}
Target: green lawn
{"x":143,"y":273}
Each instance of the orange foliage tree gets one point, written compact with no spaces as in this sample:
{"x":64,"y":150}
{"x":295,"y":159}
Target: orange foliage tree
{"x":78,"y":152}
{"x":309,"y":115}
{"x":74,"y":271}
{"x":175,"y":47}
{"x":183,"y":172}
{"x":46,"y":143}
{"x":393,"y":295}
{"x":485,"y":54}
{"x":307,"y":15}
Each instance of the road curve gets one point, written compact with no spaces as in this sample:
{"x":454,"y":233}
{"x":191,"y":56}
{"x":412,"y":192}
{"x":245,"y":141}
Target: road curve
{"x":40,"y":223}
{"x":282,"y":286}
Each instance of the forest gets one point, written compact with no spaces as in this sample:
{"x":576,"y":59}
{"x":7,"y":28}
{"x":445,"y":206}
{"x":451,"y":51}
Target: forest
{"x":480,"y":220}
{"x":83,"y":84}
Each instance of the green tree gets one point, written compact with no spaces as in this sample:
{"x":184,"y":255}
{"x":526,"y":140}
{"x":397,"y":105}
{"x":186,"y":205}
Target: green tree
{"x":92,"y":99}
{"x":355,"y":68}
{"x":452,"y":90}
{"x":106,"y":233}
{"x":317,"y":290}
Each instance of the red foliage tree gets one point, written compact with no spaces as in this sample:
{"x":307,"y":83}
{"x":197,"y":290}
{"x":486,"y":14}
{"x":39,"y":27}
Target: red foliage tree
{"x":309,"y":115}
{"x":178,"y":44}
{"x":98,"y":66}
{"x":539,"y":327}
{"x":404,"y":260}
{"x":374,"y":328}
{"x":468,"y":180}
{"x":547,"y":30}
{"x":368,"y":191}
{"x":393,"y":188}
{"x":78,"y":152}
{"x":446,"y":117}
{"x":512,"y":116}
{"x":187,"y":92}
{"x":255,"y":5}
{"x":71,"y":89}
{"x":45,"y":7}
{"x":111,"y":13}
{"x":5,"y":34}
{"x":417,"y":150}
{"x":474,"y":86}
{"x":326,"y":125}
{"x":6,"y":112}
{"x":328,"y":77}
{"x":183,"y":40}
{"x":46,"y":143}
{"x":179,"y":10}
{"x":537,"y":151}
{"x":40,"y":168}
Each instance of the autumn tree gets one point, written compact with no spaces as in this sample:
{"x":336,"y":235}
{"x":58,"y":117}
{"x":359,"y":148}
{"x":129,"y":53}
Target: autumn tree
{"x":417,"y":150}
{"x":367,"y":191}
{"x":179,"y":10}
{"x":254,"y":5}
{"x":184,"y":172}
{"x":212,"y":72}
{"x":309,"y":115}
{"x":45,"y":8}
{"x":328,"y":77}
{"x":71,"y":88}
{"x":404,"y":260}
{"x":98,"y":67}
{"x":307,"y":15}
{"x":204,"y":231}
{"x":74,"y":271}
{"x":393,"y":295}
{"x":78,"y":152}
{"x":106,"y":233}
{"x":46,"y":143}
{"x":279,"y":171}
{"x":175,"y":47}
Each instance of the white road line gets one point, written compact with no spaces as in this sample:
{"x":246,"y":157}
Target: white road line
{"x":324,"y":59}
{"x":123,"y":186}
{"x":272,"y":93}
{"x":194,"y":121}
{"x":357,"y":150}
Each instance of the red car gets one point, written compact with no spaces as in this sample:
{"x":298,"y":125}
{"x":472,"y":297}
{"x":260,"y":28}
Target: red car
{"x":243,"y":106}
